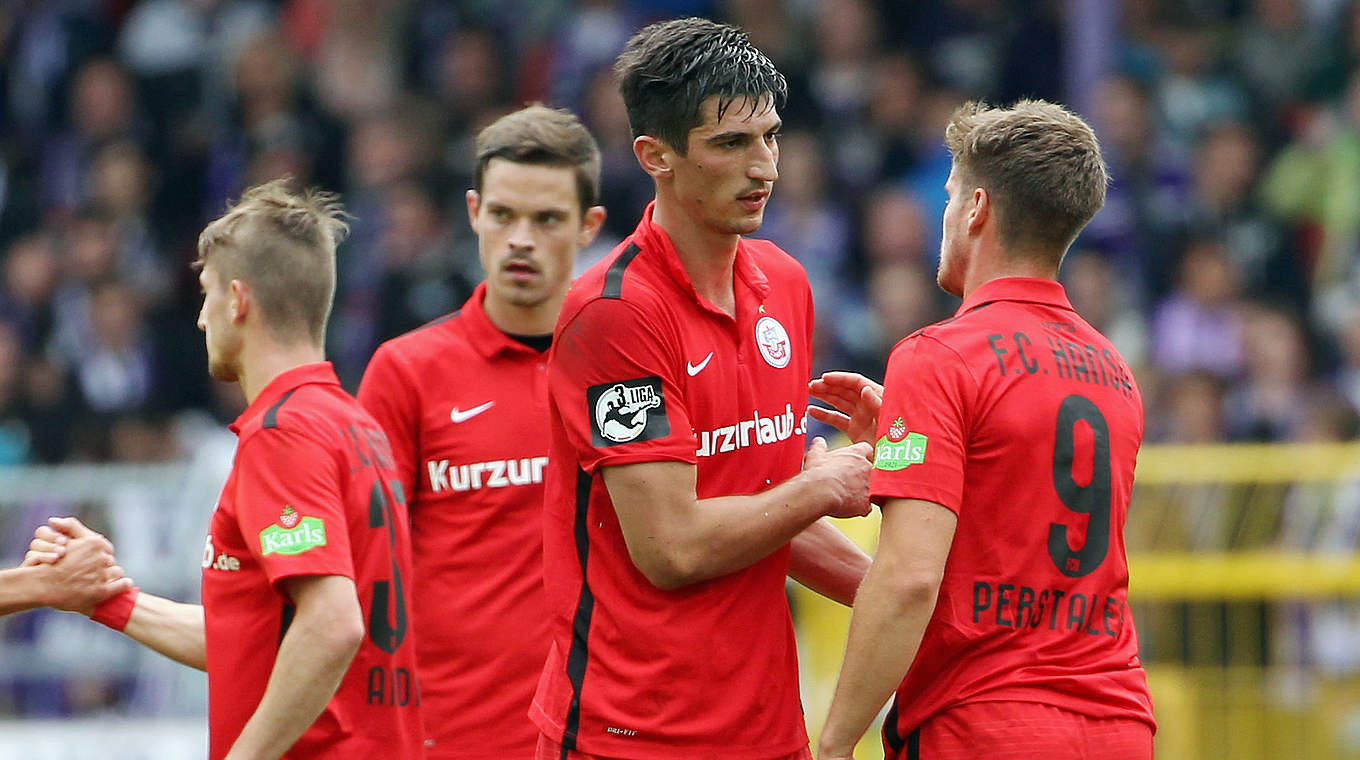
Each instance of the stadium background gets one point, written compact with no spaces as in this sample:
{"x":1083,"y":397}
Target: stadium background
{"x":1225,"y":266}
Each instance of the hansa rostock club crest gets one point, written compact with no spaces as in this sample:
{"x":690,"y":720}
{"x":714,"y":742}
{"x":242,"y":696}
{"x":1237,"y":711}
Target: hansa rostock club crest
{"x":773,"y":341}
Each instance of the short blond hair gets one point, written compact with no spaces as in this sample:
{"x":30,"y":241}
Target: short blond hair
{"x":1039,"y":162}
{"x":282,"y":243}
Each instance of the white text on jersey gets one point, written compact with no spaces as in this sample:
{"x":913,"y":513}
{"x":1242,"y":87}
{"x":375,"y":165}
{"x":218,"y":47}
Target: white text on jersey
{"x":494,"y":474}
{"x":756,"y":431}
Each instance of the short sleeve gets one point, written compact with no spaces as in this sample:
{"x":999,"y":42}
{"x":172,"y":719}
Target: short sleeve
{"x":612,"y":380}
{"x":290,"y":506}
{"x":921,"y":443}
{"x":388,"y":394}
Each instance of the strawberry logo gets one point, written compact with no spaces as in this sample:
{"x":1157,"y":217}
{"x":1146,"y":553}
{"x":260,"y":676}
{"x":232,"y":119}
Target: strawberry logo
{"x":289,"y":517}
{"x":897,"y":430}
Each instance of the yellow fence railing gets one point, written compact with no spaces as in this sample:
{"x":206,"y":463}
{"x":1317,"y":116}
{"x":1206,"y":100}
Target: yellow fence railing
{"x":1245,"y":585}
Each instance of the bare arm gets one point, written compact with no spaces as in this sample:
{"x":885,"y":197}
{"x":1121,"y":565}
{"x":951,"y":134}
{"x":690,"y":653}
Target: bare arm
{"x":172,"y":628}
{"x":21,"y":588}
{"x":676,"y":539}
{"x":825,"y":560}
{"x":891,"y":612}
{"x":312,"y":660}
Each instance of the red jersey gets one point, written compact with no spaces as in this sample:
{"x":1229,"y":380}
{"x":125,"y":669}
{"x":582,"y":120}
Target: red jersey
{"x":466,"y":409}
{"x":643,"y":369}
{"x":1025,"y":422}
{"x":311,"y":492}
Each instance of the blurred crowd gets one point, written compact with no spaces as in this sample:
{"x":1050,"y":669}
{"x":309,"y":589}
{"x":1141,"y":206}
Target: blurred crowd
{"x":1225,"y":265}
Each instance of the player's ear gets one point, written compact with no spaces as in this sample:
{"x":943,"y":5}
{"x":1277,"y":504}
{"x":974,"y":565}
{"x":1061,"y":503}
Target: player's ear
{"x":590,"y":226}
{"x":474,"y":204}
{"x":981,"y":210}
{"x":239,"y":300}
{"x":654,"y":156}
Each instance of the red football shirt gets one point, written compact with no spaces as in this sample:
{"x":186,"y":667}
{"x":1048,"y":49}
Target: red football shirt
{"x":1023,"y":420}
{"x":466,"y":409}
{"x":311,"y":492}
{"x":642,"y":369}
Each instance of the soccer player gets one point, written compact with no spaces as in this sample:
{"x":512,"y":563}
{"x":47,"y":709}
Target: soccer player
{"x":464,"y":401}
{"x":305,"y":626}
{"x":678,"y":495}
{"x":72,"y":575}
{"x":997,"y":603}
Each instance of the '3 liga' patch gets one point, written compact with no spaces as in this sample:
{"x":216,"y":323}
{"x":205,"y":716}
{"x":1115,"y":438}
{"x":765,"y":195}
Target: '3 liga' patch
{"x":627,"y":411}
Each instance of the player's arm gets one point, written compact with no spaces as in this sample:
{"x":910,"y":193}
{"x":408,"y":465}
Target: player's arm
{"x":825,"y":560}
{"x":172,"y":628}
{"x":677,"y":539}
{"x":891,"y":612}
{"x":316,"y":651}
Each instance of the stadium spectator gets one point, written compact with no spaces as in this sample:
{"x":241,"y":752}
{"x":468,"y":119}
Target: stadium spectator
{"x":666,"y":351}
{"x":464,"y":403}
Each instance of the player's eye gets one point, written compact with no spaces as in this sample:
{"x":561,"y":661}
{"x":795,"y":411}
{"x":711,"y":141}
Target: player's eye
{"x":499,"y":214}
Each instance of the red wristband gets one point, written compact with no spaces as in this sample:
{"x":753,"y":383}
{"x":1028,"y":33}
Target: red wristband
{"x":116,"y":610}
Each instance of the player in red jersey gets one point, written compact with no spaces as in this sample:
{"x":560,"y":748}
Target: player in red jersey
{"x":676,"y":475}
{"x":464,"y":401}
{"x":304,"y":628}
{"x":997,"y":606}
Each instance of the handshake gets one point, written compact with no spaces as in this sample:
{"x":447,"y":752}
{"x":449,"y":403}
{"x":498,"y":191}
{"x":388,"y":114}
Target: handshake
{"x":67,"y":567}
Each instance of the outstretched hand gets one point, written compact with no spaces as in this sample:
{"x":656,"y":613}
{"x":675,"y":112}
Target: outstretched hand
{"x":856,"y":400}
{"x":80,"y":567}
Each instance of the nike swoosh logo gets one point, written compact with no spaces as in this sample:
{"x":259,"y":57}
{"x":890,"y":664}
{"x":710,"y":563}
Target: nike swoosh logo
{"x":464,"y":416}
{"x":695,"y":369}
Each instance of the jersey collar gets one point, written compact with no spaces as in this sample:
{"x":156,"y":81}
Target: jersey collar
{"x":744,"y":267}
{"x":1031,"y":289}
{"x":487,"y":339}
{"x":286,"y":382}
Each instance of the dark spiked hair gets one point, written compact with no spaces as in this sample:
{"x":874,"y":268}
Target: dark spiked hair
{"x":669,"y":69}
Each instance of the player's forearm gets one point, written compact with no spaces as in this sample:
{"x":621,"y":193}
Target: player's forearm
{"x":20,"y":589}
{"x":312,"y":660}
{"x":172,"y":628}
{"x":825,"y":560}
{"x":730,"y":533}
{"x":891,"y":613}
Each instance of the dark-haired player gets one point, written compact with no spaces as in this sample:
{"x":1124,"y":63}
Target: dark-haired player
{"x":464,"y":401}
{"x":678,"y":495}
{"x":997,"y":606}
{"x":305,"y":628}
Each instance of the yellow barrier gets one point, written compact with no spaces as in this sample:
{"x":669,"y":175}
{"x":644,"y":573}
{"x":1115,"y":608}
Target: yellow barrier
{"x":1232,"y":548}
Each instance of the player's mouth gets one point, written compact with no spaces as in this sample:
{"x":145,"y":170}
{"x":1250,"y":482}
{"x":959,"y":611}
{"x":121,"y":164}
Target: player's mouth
{"x":520,"y":270}
{"x":754,"y":201}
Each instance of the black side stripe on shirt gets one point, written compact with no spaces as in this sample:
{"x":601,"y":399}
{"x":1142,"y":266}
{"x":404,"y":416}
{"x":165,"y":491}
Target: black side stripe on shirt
{"x":436,"y":321}
{"x":890,"y":735}
{"x":286,"y":620}
{"x":951,"y":319}
{"x":271,"y":417}
{"x":613,"y":279}
{"x":914,"y":745}
{"x":580,"y":624}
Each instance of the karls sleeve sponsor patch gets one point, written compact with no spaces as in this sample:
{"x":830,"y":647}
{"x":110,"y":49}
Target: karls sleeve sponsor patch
{"x":627,"y":411}
{"x":293,"y":534}
{"x":899,"y":449}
